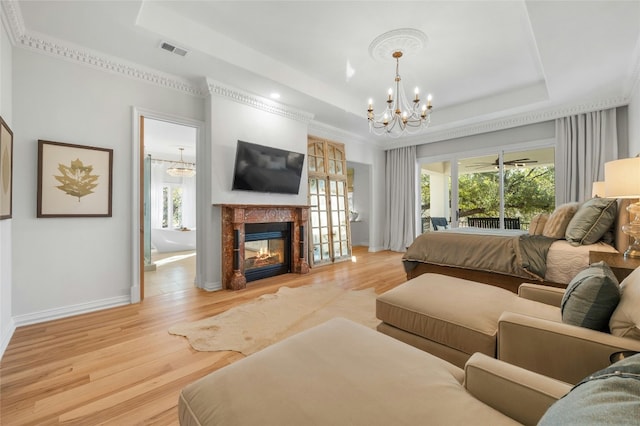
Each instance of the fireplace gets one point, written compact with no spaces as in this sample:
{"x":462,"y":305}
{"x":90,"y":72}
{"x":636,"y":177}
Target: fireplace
{"x":266,"y":250}
{"x":262,"y":241}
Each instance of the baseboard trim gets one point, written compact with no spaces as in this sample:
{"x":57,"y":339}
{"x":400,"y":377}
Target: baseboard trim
{"x":214,"y":286}
{"x":6,"y":337}
{"x":71,"y":310}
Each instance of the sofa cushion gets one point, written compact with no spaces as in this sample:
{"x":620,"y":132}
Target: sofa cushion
{"x":338,"y":372}
{"x":608,"y":397}
{"x":453,"y":312}
{"x":591,"y":297}
{"x":536,"y":227}
{"x":591,"y":221}
{"x":625,"y":320}
{"x":556,"y":225}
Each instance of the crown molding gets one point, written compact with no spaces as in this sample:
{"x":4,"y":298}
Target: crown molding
{"x":517,"y":120}
{"x":12,"y":19}
{"x":106,"y":63}
{"x":215,"y":88}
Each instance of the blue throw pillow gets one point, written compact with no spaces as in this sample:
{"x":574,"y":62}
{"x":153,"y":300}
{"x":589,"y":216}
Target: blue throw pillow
{"x":591,"y":297}
{"x":609,"y":397}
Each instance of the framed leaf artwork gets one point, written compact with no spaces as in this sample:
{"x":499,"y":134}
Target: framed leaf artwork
{"x":74,"y":180}
{"x":6,"y":170}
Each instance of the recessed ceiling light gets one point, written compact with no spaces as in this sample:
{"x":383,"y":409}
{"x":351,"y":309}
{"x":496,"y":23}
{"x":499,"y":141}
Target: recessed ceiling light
{"x":275,"y":95}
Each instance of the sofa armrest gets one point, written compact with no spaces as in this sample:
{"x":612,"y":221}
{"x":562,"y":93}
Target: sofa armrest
{"x":515,"y":392}
{"x":565,"y":352}
{"x":541,"y":293}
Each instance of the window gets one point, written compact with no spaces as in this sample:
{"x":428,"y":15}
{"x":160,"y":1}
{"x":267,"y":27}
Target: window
{"x":172,"y":206}
{"x":498,"y":190}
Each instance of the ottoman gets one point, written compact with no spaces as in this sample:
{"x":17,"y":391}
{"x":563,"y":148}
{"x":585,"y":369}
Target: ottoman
{"x":450,"y":317}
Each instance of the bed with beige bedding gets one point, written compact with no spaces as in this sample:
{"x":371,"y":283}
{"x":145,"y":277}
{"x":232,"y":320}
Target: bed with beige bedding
{"x":506,"y":258}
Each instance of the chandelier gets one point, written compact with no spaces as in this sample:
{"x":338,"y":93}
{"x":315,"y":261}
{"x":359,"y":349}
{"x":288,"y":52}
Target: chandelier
{"x":400,"y":116}
{"x":181,"y":169}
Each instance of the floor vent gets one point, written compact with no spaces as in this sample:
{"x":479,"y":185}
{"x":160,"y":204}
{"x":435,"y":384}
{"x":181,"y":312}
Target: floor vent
{"x":173,"y":49}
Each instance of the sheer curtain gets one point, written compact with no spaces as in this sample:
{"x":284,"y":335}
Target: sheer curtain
{"x":584,"y":143}
{"x":157,"y":181}
{"x":400,"y":197}
{"x":189,"y":202}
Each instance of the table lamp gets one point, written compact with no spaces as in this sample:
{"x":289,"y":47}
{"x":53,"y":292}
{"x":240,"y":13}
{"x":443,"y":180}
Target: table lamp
{"x":622,"y":180}
{"x":597,"y":190}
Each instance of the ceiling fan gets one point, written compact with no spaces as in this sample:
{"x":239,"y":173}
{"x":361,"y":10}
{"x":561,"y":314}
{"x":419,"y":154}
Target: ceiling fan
{"x":520,"y":162}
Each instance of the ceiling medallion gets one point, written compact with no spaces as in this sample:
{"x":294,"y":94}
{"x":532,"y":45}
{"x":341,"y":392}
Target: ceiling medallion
{"x":400,"y":116}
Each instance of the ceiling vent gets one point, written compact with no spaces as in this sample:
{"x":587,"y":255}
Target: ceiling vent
{"x":173,"y":49}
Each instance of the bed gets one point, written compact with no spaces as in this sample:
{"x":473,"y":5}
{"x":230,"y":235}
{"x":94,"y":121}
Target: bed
{"x":507,"y":258}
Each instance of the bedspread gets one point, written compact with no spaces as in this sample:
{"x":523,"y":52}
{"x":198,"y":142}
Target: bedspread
{"x":515,"y":254}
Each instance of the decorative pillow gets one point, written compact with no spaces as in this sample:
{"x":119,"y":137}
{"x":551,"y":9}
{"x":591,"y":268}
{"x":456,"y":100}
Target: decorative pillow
{"x":591,"y":221}
{"x":591,"y":297}
{"x":537,"y":223}
{"x":610,"y":396}
{"x":625,"y":320}
{"x":556,"y":225}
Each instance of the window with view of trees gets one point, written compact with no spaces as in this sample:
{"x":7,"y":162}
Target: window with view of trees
{"x":172,"y":207}
{"x":515,"y":186}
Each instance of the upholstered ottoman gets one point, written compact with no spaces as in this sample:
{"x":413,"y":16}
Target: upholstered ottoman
{"x":450,"y":317}
{"x":343,"y":373}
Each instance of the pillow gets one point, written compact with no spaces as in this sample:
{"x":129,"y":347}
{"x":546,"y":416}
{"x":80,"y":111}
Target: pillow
{"x":556,"y":225}
{"x":536,"y":227}
{"x":610,"y":396}
{"x":591,"y":221}
{"x":591,"y":297}
{"x":625,"y":320}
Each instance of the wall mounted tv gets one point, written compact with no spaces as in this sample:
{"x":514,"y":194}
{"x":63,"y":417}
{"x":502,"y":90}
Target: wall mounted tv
{"x":266,"y":169}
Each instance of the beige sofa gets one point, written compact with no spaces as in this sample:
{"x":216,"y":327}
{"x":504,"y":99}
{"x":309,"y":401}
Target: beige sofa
{"x":453,"y":318}
{"x":344,"y":373}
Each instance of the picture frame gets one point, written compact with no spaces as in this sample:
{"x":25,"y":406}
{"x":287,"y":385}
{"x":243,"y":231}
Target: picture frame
{"x":6,"y":170}
{"x":74,"y":180}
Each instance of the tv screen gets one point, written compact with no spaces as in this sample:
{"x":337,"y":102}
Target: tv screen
{"x":266,"y":169}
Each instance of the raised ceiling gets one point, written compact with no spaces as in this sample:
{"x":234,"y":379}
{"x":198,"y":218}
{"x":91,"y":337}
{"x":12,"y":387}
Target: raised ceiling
{"x":505,"y":62}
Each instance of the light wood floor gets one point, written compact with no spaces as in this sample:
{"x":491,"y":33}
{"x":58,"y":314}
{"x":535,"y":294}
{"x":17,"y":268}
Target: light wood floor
{"x":121,"y":367}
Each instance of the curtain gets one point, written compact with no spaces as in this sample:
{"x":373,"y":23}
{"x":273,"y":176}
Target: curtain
{"x":400,"y":197}
{"x":584,"y":143}
{"x":189,"y":202}
{"x":157,"y":180}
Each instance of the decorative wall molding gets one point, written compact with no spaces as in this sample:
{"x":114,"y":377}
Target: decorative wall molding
{"x":12,"y":18}
{"x":108,"y":64}
{"x":218,"y":89}
{"x":513,"y":121}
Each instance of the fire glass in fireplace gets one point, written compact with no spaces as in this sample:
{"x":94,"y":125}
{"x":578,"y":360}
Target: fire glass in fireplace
{"x":266,"y":250}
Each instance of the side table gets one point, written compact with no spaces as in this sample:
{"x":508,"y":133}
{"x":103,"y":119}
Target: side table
{"x":620,"y":266}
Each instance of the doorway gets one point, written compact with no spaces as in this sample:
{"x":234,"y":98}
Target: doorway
{"x":168,"y":206}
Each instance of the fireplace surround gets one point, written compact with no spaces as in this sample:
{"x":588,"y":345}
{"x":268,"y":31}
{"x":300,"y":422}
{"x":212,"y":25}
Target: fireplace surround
{"x":235,"y":217}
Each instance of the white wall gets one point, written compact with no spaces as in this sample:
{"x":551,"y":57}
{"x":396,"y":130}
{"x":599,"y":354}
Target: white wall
{"x":229,"y":121}
{"x":634,"y":122}
{"x":63,"y":266}
{"x":6,"y":322}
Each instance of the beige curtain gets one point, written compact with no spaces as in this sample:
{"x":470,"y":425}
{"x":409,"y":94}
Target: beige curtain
{"x":400,"y":198}
{"x":584,"y":142}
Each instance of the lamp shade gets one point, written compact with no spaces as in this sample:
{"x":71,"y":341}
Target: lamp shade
{"x":622,"y":178}
{"x":597,"y":190}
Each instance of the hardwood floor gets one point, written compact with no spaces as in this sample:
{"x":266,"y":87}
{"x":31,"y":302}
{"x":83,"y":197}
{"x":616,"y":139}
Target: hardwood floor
{"x":121,"y":367}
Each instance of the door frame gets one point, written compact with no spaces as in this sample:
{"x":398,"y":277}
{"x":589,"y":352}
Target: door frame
{"x":137,"y":275}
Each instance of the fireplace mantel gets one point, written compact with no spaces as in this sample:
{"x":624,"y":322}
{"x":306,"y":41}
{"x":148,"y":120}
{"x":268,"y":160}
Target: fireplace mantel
{"x":235,"y":216}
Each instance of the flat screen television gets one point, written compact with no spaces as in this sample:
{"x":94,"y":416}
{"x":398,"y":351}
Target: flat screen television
{"x":266,"y":169}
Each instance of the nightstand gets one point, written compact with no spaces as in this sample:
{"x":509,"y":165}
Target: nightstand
{"x":620,"y":265}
